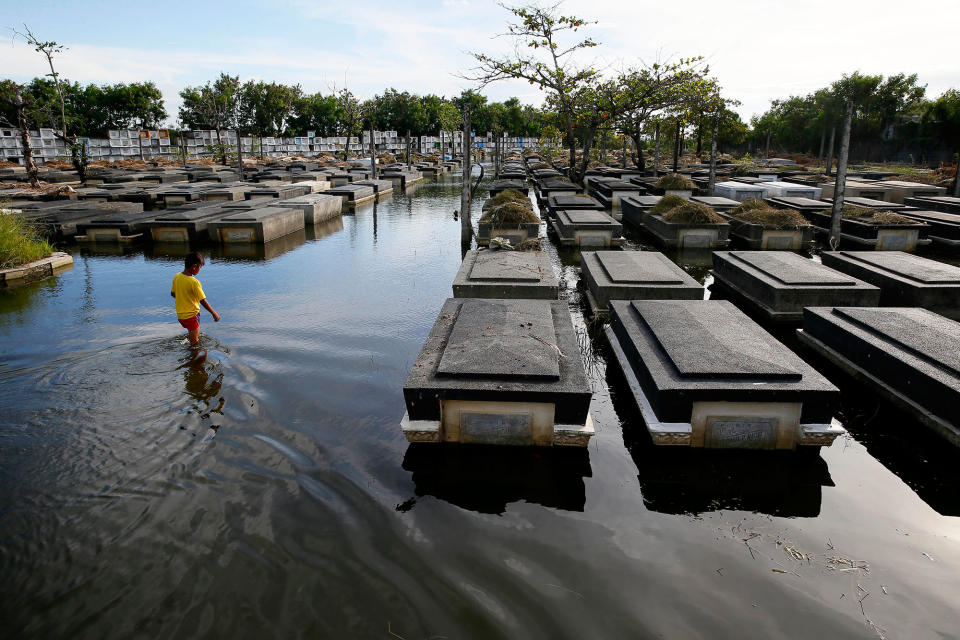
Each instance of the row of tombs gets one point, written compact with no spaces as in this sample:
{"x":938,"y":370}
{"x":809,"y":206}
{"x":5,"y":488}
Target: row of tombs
{"x":205,"y":204}
{"x":502,"y":365}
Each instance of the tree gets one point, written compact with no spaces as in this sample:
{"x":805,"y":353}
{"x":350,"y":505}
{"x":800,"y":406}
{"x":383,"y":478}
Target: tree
{"x":349,"y":115}
{"x":542,"y":60}
{"x":315,"y":112}
{"x":51,"y":49}
{"x":13,"y":113}
{"x":213,"y":105}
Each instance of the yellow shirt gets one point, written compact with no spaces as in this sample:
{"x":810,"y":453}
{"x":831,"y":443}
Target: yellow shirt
{"x":188,"y":294}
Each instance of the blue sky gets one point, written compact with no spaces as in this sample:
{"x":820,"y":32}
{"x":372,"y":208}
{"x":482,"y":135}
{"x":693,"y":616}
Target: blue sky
{"x":758,"y":49}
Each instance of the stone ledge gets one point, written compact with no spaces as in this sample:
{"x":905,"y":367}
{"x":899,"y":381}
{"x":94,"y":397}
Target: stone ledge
{"x":37,"y":269}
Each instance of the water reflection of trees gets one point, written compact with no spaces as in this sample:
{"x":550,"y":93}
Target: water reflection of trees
{"x":488,"y":478}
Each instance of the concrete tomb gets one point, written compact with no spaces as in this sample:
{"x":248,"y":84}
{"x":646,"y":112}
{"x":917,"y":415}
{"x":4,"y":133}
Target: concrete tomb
{"x":635,"y":208}
{"x":905,"y":280}
{"x":280,"y":192}
{"x":798,"y":204}
{"x":716,"y":203}
{"x":853,"y":189}
{"x":909,"y":356}
{"x":633,"y":275}
{"x":943,"y":228}
{"x":697,"y":235}
{"x":790,"y":190}
{"x":739,"y":191}
{"x":316,"y":207}
{"x":353,"y":194}
{"x":502,"y":185}
{"x":610,"y":192}
{"x":900,"y":190}
{"x":570,"y":202}
{"x":777,"y":285}
{"x":185,"y":225}
{"x":506,"y":274}
{"x":380,"y":187}
{"x":259,"y":225}
{"x":946,"y":204}
{"x":703,"y":374}
{"x":882,"y":237}
{"x":227,"y":192}
{"x":122,"y":227}
{"x":499,"y":372}
{"x":586,"y":228}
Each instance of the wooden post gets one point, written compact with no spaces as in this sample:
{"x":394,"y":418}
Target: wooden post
{"x":373,"y":153}
{"x":676,"y":149}
{"x":829,"y":168}
{"x":713,"y":155}
{"x":466,"y":226}
{"x":656,"y":150}
{"x":841,"y":176}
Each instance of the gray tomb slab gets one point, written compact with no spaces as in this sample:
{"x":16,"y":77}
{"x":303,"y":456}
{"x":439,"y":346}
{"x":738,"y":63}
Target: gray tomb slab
{"x":905,"y":280}
{"x":634,"y":275}
{"x":909,"y":356}
{"x":716,"y":202}
{"x":798,"y":204}
{"x":259,"y":225}
{"x":499,"y":372}
{"x":944,"y":226}
{"x":316,"y":207}
{"x":185,"y":225}
{"x":779,"y":284}
{"x":586,"y":228}
{"x":704,"y":374}
{"x":506,"y":274}
{"x":503,"y":341}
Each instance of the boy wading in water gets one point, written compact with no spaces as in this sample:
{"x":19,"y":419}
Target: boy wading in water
{"x":189,"y":296}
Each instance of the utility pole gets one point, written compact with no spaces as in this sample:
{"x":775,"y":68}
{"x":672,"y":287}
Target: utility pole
{"x":841,"y":176}
{"x":713,"y":155}
{"x":466,"y":227}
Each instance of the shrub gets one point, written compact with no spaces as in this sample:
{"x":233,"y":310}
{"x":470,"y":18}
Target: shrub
{"x":771,"y":218}
{"x":676,"y":182}
{"x":509,"y":213}
{"x":507,"y":195}
{"x":20,"y":241}
{"x":749,"y":205}
{"x":666,"y":203}
{"x":692,"y":213}
{"x":874,"y":216}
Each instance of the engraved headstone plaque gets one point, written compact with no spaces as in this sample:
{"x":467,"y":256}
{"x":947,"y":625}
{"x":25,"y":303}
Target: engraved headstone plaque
{"x":496,"y":428}
{"x":741,"y":433}
{"x":594,"y":239}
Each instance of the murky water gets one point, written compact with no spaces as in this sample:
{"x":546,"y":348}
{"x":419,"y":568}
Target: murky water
{"x":268,"y":492}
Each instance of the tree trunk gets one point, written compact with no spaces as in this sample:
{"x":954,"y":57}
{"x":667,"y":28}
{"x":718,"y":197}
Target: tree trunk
{"x":466,"y":226}
{"x":24,"y":127}
{"x":623,"y":153}
{"x":346,"y":149}
{"x":408,"y":149}
{"x":829,"y":168}
{"x":587,"y":146}
{"x":261,"y":149}
{"x":373,"y":153}
{"x":656,"y":150}
{"x":240,"y":152}
{"x":223,"y":152}
{"x":183,"y":147}
{"x":956,"y":179}
{"x":713,"y":155}
{"x":140,"y":143}
{"x":700,"y":137}
{"x":841,"y":176}
{"x":603,"y":146}
{"x":676,"y":149}
{"x":823,"y":135}
{"x":767,"y":153}
{"x":443,"y":151}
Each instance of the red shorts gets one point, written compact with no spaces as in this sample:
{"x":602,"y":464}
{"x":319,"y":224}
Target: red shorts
{"x":191,"y":324}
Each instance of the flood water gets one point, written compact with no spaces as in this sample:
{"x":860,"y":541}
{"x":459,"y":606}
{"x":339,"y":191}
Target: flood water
{"x":268,"y":491}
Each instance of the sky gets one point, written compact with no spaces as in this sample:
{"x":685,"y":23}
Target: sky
{"x":758,"y":50}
